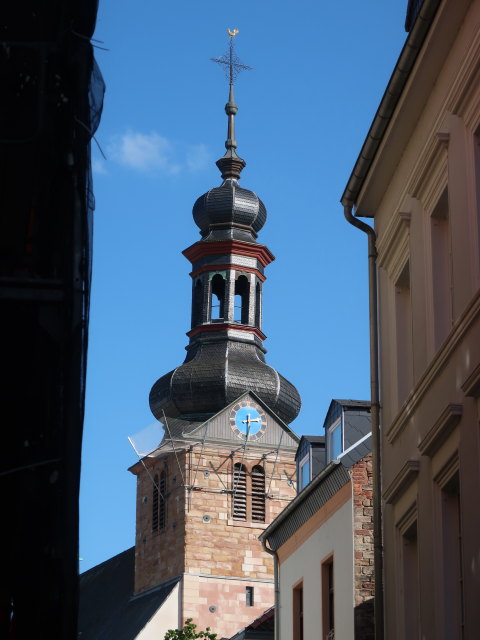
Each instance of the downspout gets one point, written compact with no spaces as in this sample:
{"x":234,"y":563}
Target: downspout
{"x":276,"y":583}
{"x":375,"y":414}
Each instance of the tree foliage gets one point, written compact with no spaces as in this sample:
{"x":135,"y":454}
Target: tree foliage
{"x":189,"y":632}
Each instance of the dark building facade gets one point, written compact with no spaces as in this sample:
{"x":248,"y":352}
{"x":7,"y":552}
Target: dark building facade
{"x":51,"y":102}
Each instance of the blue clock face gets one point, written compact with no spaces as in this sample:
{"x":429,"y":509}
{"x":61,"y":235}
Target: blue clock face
{"x":248,"y":420}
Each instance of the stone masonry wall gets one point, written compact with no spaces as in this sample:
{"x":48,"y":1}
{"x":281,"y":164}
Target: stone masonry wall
{"x":364,"y":581}
{"x":218,"y":556}
{"x":159,"y":555}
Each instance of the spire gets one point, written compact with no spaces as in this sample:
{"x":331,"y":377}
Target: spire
{"x":231,"y":164}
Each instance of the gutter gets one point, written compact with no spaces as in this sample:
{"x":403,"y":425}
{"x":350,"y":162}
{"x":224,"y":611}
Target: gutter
{"x":390,"y":99}
{"x":276,"y":580}
{"x":375,"y":415}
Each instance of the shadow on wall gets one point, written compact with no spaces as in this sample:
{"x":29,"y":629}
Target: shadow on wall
{"x":364,"y":620}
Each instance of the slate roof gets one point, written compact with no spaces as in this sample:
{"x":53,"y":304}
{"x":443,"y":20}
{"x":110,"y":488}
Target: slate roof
{"x":316,"y":494}
{"x":262,"y":628}
{"x":108,"y":608}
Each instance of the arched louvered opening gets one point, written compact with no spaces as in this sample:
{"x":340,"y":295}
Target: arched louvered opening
{"x":258,"y":305}
{"x":197,"y":303}
{"x":258,"y":494}
{"x":239,"y":492}
{"x":242,"y":294}
{"x":155,"y":498}
{"x":217,"y":301}
{"x":162,"y":507}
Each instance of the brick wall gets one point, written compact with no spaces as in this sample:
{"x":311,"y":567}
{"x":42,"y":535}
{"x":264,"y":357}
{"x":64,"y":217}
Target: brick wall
{"x":364,"y":582}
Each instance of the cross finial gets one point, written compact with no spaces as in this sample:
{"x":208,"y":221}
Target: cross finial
{"x":230,"y":61}
{"x":231,"y":165}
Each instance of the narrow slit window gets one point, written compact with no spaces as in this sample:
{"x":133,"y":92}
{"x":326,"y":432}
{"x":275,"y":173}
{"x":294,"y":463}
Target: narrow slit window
{"x":239,"y":492}
{"x":197,"y":303}
{"x":249,"y":600}
{"x":258,"y":305}
{"x":217,"y":302}
{"x":162,"y":511}
{"x":155,"y":498}
{"x":258,"y":494}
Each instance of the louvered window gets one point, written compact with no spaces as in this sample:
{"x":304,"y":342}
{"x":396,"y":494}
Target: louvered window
{"x":162,"y":511}
{"x":258,"y":494}
{"x":159,"y":512}
{"x":239,"y":492}
{"x":155,"y":504}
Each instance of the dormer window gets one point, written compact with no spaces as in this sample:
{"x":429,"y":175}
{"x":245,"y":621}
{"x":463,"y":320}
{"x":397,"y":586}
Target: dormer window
{"x":335,"y":440}
{"x":304,"y":471}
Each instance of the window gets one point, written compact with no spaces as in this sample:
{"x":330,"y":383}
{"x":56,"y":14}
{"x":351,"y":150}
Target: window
{"x":249,"y":596}
{"x":410,"y":581}
{"x":197,"y":304}
{"x":240,"y":306}
{"x":258,"y":494}
{"x":304,"y":473}
{"x":452,"y":559}
{"x":403,"y":326}
{"x":217,"y":302}
{"x":159,"y":512}
{"x":441,"y":270}
{"x":249,"y":498}
{"x":298,"y":612}
{"x":328,"y":600}
{"x":258,"y":305}
{"x":335,"y":440}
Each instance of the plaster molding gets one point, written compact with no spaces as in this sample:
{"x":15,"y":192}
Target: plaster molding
{"x":399,"y":225}
{"x":431,"y":172}
{"x":441,"y":358}
{"x":404,"y":478}
{"x":444,"y":425}
{"x":405,"y":523}
{"x":471,"y":386}
{"x":447,"y":471}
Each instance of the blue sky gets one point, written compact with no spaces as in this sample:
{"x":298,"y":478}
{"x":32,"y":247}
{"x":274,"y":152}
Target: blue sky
{"x":319,"y":71}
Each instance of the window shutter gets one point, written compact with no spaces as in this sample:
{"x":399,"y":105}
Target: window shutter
{"x":239,"y":492}
{"x":258,"y":494}
{"x":155,"y":504}
{"x":162,"y":512}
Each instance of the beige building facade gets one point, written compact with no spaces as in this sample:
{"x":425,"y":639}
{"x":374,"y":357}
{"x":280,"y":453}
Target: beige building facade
{"x":422,"y":187}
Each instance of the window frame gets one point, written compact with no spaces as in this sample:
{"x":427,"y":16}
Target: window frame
{"x":249,"y":496}
{"x":338,"y":423}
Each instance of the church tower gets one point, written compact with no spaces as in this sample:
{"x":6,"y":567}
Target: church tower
{"x":225,"y":467}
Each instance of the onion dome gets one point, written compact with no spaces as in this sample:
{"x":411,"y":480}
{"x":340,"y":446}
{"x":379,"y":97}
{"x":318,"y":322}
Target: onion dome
{"x":229,"y":206}
{"x":217,"y":375}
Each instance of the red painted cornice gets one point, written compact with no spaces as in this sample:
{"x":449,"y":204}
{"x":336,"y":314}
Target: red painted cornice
{"x":204,"y":328}
{"x":228,"y":267}
{"x":235,"y":247}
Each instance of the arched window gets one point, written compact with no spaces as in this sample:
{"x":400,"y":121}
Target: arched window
{"x":159,"y":511}
{"x":217,"y":302}
{"x":242,"y":292}
{"x":249,"y":504}
{"x":239,"y":492}
{"x":162,"y":510}
{"x":258,"y":494}
{"x":197,"y":303}
{"x":155,"y":498}
{"x":258,"y":305}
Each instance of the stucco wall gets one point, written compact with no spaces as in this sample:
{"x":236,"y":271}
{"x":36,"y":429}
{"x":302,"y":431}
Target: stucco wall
{"x":164,"y":619}
{"x":304,"y":563}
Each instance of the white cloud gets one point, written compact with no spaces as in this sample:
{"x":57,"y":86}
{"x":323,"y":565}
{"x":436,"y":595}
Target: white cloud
{"x":144,"y":152}
{"x":198,"y":157}
{"x":147,"y":152}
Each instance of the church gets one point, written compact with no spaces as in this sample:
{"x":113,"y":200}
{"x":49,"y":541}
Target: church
{"x":225,"y":467}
